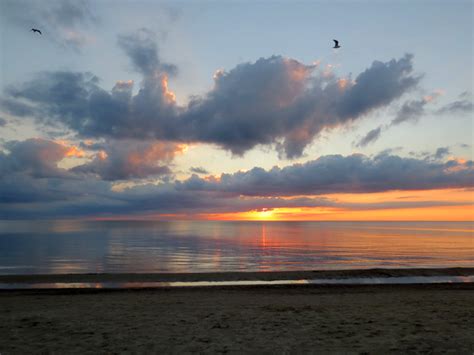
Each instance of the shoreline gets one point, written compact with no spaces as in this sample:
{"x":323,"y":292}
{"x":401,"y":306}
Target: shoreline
{"x":236,"y":276}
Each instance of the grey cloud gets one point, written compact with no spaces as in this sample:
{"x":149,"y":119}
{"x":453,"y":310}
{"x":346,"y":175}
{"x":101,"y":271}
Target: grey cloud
{"x":336,"y":173}
{"x":459,"y":106}
{"x":252,"y":104}
{"x":142,"y":49}
{"x":464,"y":104}
{"x":379,"y":85}
{"x":410,"y":111}
{"x":19,"y":190}
{"x":38,"y":190}
{"x":414,"y":109}
{"x":122,"y":160}
{"x":138,"y":200}
{"x":282,"y":100}
{"x":397,"y":204}
{"x":17,"y":107}
{"x":93,"y":198}
{"x":275,"y":100}
{"x":370,"y":137}
{"x":441,"y":152}
{"x":73,"y":13}
{"x":76,"y":101}
{"x":419,"y":154}
{"x":64,"y":97}
{"x":3,"y":122}
{"x":35,"y":157}
{"x":389,"y":151}
{"x":29,"y":174}
{"x":199,"y":170}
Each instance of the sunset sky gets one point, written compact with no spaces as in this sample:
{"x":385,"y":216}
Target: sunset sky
{"x":236,"y":110}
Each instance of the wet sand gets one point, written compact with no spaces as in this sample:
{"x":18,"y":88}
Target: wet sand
{"x":237,"y":276}
{"x":273,"y":319}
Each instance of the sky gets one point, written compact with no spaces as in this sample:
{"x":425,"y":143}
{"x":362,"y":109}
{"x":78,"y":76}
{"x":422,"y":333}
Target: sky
{"x":237,"y":110}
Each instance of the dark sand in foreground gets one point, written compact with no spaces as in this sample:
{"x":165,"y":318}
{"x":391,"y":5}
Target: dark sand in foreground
{"x":272,"y":319}
{"x":375,"y":319}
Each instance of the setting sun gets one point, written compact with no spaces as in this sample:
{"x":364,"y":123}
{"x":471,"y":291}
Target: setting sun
{"x":275,"y":176}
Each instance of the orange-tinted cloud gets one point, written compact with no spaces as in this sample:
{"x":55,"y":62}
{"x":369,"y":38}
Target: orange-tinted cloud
{"x":131,"y":159}
{"x":275,"y":101}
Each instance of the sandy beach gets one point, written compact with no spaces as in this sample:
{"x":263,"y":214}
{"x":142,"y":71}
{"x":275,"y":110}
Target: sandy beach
{"x":276,"y":319}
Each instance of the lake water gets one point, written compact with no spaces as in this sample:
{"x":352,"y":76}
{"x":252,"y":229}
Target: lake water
{"x":58,"y":247}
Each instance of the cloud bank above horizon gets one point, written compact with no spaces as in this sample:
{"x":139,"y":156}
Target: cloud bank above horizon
{"x":115,"y":151}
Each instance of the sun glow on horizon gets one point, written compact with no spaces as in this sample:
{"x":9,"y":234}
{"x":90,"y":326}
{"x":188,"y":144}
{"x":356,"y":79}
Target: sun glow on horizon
{"x":432,"y":205}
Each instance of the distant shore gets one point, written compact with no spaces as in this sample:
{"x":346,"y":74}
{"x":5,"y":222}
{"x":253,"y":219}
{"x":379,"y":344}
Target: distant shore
{"x":237,"y":276}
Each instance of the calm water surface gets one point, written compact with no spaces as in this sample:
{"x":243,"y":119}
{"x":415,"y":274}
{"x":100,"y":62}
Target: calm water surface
{"x":45,"y":247}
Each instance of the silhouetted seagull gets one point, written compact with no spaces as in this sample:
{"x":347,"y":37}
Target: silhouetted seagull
{"x":35,"y":30}
{"x":336,"y":44}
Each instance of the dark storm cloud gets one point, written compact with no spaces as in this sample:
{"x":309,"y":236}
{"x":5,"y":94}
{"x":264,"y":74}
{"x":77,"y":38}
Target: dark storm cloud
{"x":61,"y":21}
{"x":370,"y":137}
{"x":274,"y":100}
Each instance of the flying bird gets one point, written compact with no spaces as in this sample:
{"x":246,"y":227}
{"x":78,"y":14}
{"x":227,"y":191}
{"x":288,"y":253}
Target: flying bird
{"x":36,"y":30}
{"x":336,"y":44}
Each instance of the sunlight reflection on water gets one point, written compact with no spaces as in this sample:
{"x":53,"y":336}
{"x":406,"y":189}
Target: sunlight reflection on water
{"x":59,"y":247}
